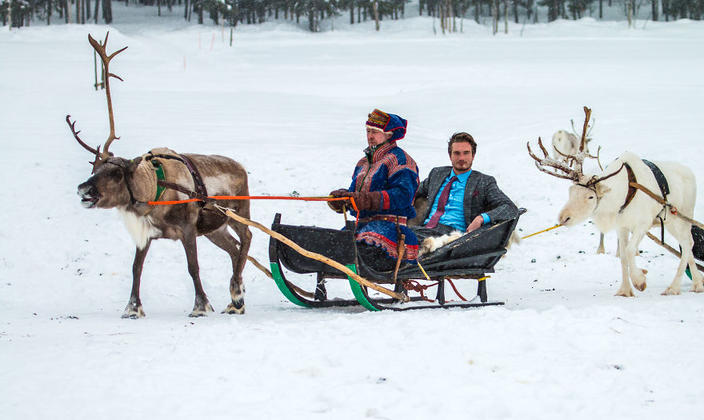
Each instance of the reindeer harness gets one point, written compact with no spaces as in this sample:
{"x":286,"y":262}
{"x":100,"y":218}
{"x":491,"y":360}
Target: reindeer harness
{"x":162,"y":184}
{"x":634,"y":186}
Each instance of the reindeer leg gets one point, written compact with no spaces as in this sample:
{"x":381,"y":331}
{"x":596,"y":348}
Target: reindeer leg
{"x":225,"y":241}
{"x":625,"y":289}
{"x":236,"y":284}
{"x":697,"y":279}
{"x":134,"y":306}
{"x":600,"y":250}
{"x":637,"y":274}
{"x":201,"y":306}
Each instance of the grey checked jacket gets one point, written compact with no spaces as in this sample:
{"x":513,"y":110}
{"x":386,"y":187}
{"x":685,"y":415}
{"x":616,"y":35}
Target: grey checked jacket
{"x":481,"y":195}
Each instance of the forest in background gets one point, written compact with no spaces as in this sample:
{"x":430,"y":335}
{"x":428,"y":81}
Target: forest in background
{"x":19,"y":13}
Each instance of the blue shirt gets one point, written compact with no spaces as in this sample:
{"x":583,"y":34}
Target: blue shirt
{"x":454,"y":209}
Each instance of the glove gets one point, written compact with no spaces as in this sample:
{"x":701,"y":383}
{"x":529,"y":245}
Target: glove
{"x":338,"y":206}
{"x":367,"y":200}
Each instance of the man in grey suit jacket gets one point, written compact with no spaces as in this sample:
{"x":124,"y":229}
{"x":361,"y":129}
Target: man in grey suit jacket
{"x":471,"y":200}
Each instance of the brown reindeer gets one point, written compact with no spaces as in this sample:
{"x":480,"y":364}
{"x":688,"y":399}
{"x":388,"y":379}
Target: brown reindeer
{"x":164,"y":175}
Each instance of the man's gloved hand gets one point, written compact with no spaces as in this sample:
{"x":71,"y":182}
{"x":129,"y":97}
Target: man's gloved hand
{"x":367,"y":200}
{"x":340,"y":193}
{"x":338,"y":206}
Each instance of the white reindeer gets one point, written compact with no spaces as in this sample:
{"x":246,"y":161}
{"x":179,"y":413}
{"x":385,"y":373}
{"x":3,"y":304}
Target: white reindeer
{"x":565,"y":145}
{"x":613,"y":204}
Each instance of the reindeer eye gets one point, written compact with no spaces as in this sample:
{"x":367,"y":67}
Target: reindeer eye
{"x":591,"y":197}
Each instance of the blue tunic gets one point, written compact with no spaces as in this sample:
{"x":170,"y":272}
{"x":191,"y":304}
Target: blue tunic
{"x":393,"y":172}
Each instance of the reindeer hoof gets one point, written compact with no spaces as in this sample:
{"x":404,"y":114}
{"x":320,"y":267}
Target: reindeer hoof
{"x":641,"y":287}
{"x":697,"y":288}
{"x":201,"y":310}
{"x":133,"y":312}
{"x":670,"y":291}
{"x":624,"y":293}
{"x":234,"y":310}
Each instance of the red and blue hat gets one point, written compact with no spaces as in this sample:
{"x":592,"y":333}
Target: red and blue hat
{"x":387,"y":123}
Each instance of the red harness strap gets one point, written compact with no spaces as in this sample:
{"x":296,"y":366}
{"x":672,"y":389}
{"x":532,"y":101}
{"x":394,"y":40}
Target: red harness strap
{"x":417,"y":287}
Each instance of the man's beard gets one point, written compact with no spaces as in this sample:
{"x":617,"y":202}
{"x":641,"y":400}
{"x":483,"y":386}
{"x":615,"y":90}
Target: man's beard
{"x":464,"y":166}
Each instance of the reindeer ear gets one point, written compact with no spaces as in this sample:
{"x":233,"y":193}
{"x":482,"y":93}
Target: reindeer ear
{"x":602,"y":189}
{"x":134,"y":163}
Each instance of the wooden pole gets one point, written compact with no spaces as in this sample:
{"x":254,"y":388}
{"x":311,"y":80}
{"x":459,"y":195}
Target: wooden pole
{"x":671,"y":249}
{"x":260,"y":266}
{"x":332,"y":263}
{"x":401,"y":251}
{"x":657,"y":198}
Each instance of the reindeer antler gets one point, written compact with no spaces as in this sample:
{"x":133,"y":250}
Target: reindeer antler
{"x":598,"y":160}
{"x":589,"y":132}
{"x":100,"y":49}
{"x":96,"y":152}
{"x":587,"y":115}
{"x":565,"y":167}
{"x":541,"y":164}
{"x":100,"y":156}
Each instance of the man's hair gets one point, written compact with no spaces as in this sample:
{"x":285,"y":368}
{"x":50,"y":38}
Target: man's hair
{"x":459,"y":138}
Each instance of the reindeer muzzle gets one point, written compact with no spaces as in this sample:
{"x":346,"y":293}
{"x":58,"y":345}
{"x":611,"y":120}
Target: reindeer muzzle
{"x":89,"y":195}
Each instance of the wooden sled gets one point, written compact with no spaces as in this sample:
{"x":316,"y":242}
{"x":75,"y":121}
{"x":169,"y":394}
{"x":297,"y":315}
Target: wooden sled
{"x":471,"y":256}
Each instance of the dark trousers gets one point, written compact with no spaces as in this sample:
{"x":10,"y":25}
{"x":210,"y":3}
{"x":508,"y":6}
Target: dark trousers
{"x":375,"y":257}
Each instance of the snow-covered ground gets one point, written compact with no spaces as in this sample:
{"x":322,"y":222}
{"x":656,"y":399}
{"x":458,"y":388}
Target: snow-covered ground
{"x":290,"y":106}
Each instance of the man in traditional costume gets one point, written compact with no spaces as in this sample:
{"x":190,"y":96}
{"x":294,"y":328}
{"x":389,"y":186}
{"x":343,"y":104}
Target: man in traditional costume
{"x":384,"y":184}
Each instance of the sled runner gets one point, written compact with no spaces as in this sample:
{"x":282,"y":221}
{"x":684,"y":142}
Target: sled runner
{"x":472,"y":256}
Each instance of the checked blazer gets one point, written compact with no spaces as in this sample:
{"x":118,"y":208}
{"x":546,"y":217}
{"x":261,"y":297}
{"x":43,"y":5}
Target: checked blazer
{"x":481,"y":195}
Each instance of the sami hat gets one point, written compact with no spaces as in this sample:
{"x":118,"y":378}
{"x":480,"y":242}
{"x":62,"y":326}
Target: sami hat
{"x":387,"y":123}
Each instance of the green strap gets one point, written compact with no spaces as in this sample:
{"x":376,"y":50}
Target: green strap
{"x":159,"y":176}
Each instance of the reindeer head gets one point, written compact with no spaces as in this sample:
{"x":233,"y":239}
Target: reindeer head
{"x":586,"y":190}
{"x":111,"y":185}
{"x":100,"y":157}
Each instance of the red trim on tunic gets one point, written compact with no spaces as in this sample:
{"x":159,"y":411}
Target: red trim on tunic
{"x":385,"y":201}
{"x":389,"y":246}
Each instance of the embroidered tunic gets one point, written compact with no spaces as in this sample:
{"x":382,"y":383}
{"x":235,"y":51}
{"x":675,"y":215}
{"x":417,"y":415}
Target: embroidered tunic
{"x":392,"y":171}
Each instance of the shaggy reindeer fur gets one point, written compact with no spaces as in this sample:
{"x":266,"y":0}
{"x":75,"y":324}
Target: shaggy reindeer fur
{"x":128,"y":184}
{"x":603,"y":205}
{"x":432,"y":243}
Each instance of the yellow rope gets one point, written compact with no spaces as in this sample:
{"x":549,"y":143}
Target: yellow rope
{"x":421,"y":269}
{"x":542,"y":231}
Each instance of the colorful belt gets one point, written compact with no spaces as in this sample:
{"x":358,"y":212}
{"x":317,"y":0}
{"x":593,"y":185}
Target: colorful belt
{"x":400,"y":220}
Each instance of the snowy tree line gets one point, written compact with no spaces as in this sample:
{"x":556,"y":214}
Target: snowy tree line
{"x":18,"y":13}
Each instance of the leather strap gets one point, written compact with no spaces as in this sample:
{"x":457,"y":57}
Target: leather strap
{"x":660,"y":178}
{"x":200,"y":191}
{"x":631,"y":189}
{"x":400,"y":220}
